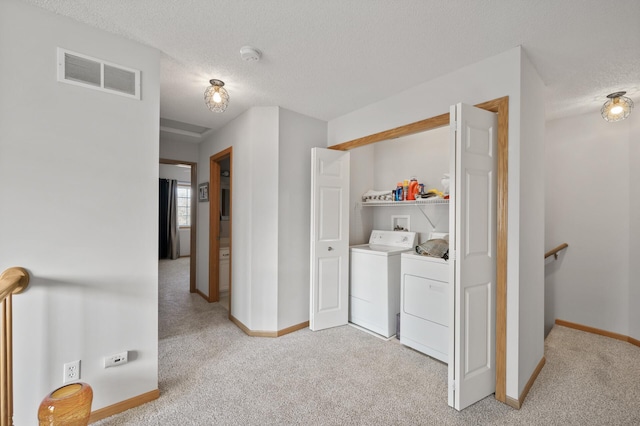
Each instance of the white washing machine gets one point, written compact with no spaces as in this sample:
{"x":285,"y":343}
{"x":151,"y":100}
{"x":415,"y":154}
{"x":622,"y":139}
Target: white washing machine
{"x":424,"y":317}
{"x":374,"y":280}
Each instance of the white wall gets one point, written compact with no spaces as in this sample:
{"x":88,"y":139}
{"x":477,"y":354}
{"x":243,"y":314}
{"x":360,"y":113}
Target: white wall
{"x":185,"y":242}
{"x":362,"y":179}
{"x":235,"y":134}
{"x":424,"y":155}
{"x":491,"y":78}
{"x":263,"y":207}
{"x":75,"y":164}
{"x":592,"y":195}
{"x":172,"y":150}
{"x":532,"y":219}
{"x":254,"y":138}
{"x":270,"y":216}
{"x":171,"y":171}
{"x":634,"y":224}
{"x":298,"y":134}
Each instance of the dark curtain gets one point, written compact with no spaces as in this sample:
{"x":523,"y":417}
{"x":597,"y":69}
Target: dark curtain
{"x":169,"y":239}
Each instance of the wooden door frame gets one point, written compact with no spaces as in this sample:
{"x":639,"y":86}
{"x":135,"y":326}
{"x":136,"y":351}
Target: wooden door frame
{"x":214,"y":223}
{"x":500,"y":106}
{"x":194,"y":214}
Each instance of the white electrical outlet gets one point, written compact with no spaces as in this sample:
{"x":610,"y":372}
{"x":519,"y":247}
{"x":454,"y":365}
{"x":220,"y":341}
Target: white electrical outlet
{"x":115,"y":360}
{"x":71,"y":372}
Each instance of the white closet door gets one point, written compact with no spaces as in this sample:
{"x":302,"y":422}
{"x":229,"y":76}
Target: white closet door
{"x":472,"y":374}
{"x":329,"y":304}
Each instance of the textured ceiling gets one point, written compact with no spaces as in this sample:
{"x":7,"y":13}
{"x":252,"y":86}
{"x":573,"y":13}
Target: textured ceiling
{"x":327,"y":58}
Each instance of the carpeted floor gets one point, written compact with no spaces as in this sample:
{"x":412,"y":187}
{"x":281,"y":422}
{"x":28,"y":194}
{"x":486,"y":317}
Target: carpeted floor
{"x":211,"y":373}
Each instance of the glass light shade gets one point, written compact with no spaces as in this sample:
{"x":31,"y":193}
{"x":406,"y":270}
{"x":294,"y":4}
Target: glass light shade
{"x":68,"y":405}
{"x":617,"y":108}
{"x":216,"y":96}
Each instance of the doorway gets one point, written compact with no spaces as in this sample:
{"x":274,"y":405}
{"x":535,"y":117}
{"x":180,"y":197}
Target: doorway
{"x":220,"y":219}
{"x":500,"y":106}
{"x":192,"y":216}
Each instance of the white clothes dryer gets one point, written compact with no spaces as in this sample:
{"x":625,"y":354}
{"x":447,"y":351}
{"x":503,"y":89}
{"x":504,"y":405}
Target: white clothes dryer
{"x":374,"y":281}
{"x":424,"y":317}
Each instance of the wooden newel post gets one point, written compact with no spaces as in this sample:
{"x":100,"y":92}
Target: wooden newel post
{"x":69,"y":405}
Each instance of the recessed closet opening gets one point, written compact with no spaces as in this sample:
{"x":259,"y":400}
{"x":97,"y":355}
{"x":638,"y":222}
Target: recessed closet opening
{"x":360,"y":179}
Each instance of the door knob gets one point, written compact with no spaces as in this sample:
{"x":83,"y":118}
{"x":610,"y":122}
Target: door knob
{"x":330,"y":249}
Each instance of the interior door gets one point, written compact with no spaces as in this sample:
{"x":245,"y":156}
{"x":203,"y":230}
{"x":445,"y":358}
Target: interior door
{"x":329,"y":294}
{"x":472,"y":371}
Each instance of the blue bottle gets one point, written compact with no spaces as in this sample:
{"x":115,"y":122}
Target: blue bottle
{"x":398,"y":193}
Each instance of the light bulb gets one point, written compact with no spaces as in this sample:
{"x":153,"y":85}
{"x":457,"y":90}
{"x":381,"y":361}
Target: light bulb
{"x":216,"y":97}
{"x":616,"y":110}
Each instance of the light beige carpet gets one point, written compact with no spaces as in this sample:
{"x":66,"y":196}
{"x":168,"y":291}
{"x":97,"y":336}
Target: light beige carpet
{"x":211,"y":373}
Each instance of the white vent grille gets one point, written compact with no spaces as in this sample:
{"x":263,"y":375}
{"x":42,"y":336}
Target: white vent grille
{"x":93,"y":73}
{"x":81,"y":70}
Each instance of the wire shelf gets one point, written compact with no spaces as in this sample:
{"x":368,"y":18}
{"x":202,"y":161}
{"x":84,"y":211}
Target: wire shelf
{"x":420,"y":202}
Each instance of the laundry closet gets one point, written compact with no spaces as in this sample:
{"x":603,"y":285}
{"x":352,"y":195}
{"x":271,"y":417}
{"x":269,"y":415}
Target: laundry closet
{"x":452,"y":302}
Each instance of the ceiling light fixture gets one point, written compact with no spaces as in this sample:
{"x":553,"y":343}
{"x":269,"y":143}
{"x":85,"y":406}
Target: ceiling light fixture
{"x":216,"y":96}
{"x":617,"y":108}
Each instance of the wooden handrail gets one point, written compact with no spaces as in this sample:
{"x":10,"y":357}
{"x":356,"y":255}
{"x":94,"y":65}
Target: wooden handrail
{"x":554,"y":252}
{"x":12,"y":281}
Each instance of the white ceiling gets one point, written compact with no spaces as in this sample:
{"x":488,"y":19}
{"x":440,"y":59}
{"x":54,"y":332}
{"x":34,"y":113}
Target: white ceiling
{"x":327,"y":58}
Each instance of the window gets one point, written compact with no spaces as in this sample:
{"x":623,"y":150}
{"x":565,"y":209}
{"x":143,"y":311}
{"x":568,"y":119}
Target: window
{"x":184,"y":205}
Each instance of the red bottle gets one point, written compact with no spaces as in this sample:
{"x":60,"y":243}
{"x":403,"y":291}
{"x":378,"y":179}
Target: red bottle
{"x":413,"y":189}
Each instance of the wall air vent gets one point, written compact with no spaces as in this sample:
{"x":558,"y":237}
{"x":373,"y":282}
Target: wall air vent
{"x":82,"y":70}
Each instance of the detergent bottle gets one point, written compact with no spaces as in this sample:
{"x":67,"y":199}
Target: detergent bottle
{"x":398,"y":192}
{"x":413,"y":189}
{"x":405,"y":190}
